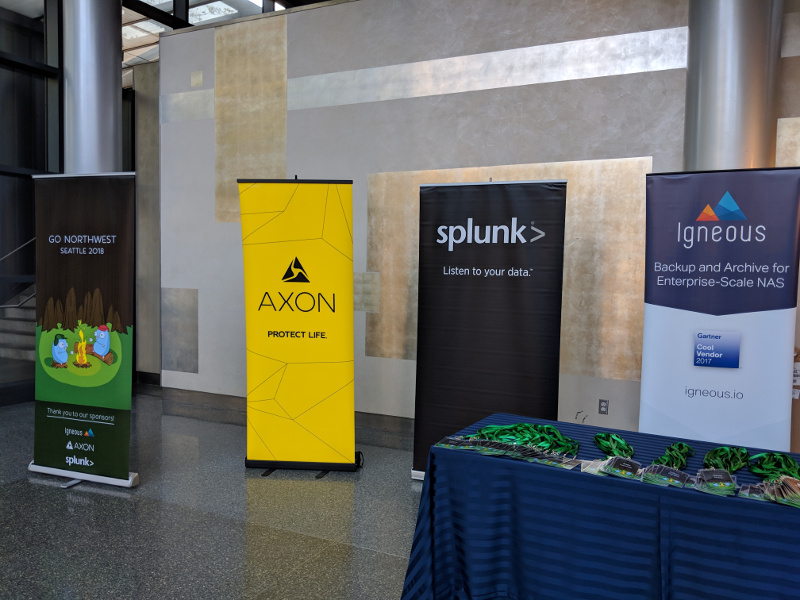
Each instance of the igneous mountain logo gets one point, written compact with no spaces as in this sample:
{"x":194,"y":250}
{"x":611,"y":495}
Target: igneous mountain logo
{"x":726,"y":210}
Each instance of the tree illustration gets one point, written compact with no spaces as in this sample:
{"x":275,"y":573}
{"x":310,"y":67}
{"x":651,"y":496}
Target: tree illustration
{"x":70,"y":313}
{"x":85,"y":309}
{"x":59,"y":313}
{"x":116,"y":323}
{"x":96,"y":316}
{"x":49,"y":319}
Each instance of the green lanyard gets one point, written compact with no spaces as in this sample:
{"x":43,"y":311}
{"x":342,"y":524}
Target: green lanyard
{"x":545,"y":437}
{"x":771,"y":465}
{"x":613,"y":445}
{"x":555,"y":442}
{"x":675,"y":456}
{"x":509,"y":434}
{"x":726,"y":457}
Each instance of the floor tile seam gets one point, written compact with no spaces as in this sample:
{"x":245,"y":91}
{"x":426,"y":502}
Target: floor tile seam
{"x":258,"y":523}
{"x":208,"y":513}
{"x":339,"y":541}
{"x":384,"y":552}
{"x":287,"y":576}
{"x":333,"y":540}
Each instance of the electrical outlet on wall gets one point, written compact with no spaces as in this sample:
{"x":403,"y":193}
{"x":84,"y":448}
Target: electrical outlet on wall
{"x":603,"y":407}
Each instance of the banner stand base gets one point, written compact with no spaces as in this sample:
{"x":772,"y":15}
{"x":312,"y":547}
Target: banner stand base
{"x":131,"y":481}
{"x":417,"y":475}
{"x":306,"y":466}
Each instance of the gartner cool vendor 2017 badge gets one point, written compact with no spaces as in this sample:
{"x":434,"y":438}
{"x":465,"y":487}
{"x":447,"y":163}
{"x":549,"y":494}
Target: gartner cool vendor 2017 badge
{"x":717,"y":349}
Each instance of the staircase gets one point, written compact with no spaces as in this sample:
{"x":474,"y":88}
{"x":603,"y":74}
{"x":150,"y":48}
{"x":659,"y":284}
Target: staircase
{"x":18,"y":339}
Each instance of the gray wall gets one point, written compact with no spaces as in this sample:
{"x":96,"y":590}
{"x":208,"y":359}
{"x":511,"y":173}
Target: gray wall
{"x":201,"y":259}
{"x":577,"y":109}
{"x":376,"y":87}
{"x":567,"y":119}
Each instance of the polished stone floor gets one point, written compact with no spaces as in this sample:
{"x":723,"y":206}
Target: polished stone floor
{"x":200,"y":525}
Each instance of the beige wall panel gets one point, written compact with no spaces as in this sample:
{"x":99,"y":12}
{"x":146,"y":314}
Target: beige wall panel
{"x":787,"y":154}
{"x":603,"y":299}
{"x":249,"y":108}
{"x":148,"y":220}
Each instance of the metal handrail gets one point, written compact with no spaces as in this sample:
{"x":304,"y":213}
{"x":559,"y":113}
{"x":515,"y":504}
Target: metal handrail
{"x":18,"y":248}
{"x":20,"y":303}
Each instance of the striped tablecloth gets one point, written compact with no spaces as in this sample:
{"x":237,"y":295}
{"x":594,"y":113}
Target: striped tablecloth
{"x":492,"y":527}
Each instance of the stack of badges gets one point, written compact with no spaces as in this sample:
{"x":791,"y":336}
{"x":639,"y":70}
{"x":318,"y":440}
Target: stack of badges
{"x":542,"y":444}
{"x":619,"y":466}
{"x":781,"y":475}
{"x":715,"y":481}
{"x":755,"y":491}
{"x":663,"y":475}
{"x":618,"y":461}
{"x":667,"y":468}
{"x":786,"y":491}
{"x":716,"y":478}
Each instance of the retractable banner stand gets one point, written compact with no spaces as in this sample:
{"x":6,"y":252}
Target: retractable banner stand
{"x":720,"y":302}
{"x":84,"y":330}
{"x":298,"y":290}
{"x":490,"y":272}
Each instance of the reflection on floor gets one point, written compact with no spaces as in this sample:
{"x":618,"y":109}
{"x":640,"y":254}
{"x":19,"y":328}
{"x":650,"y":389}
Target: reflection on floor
{"x":200,"y":525}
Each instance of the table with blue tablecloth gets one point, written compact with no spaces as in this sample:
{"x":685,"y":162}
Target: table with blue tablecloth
{"x":492,"y":527}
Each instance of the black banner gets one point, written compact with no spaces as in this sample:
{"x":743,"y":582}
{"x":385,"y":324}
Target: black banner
{"x":84,"y":330}
{"x":490,"y":275}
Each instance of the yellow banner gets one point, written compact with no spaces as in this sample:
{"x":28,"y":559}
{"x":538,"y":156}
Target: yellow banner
{"x":297,"y":240}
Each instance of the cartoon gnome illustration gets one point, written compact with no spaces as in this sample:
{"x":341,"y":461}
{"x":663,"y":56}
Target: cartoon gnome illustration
{"x":59,"y":352}
{"x":101,"y":346}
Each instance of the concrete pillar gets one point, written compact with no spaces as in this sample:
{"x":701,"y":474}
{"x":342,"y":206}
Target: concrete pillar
{"x":92,"y":55}
{"x":734,"y":47}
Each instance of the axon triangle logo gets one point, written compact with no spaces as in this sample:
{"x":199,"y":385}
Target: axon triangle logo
{"x":69,"y":445}
{"x":726,"y":210}
{"x":295,"y":273}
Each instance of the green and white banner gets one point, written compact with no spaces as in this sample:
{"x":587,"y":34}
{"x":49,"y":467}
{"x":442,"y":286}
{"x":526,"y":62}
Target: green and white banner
{"x":84,"y":330}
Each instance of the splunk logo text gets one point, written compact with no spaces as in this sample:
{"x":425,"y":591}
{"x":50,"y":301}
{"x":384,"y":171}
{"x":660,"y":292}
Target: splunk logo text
{"x":513,"y":233}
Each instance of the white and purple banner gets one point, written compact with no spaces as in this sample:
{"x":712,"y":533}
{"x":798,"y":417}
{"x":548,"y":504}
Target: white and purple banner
{"x":720,"y":300}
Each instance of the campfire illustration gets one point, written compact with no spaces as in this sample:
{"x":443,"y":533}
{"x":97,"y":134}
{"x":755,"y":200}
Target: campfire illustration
{"x":80,"y":353}
{"x":98,"y":349}
{"x":82,"y":344}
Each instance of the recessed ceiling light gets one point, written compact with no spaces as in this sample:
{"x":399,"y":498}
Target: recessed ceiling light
{"x":215,"y":10}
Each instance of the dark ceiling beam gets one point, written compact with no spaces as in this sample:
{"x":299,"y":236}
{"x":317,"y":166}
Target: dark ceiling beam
{"x":296,"y":3}
{"x":180,"y":8}
{"x":160,"y":16}
{"x":24,"y":64}
{"x":22,"y":20}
